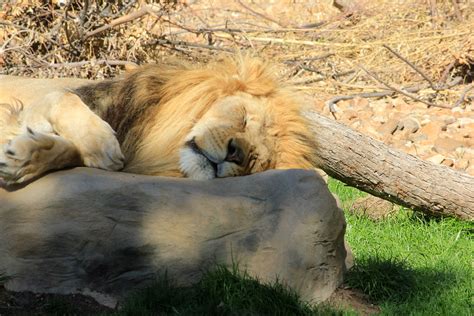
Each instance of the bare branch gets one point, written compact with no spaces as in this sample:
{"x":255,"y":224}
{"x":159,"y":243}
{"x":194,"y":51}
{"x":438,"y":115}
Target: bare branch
{"x":332,"y":102}
{"x":411,"y":96}
{"x":463,"y":95}
{"x":121,"y":20}
{"x":259,"y":14}
{"x":96,"y":62}
{"x":162,"y":41}
{"x":421,"y":73}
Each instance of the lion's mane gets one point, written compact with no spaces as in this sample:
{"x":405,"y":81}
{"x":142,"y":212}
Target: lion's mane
{"x":154,"y":107}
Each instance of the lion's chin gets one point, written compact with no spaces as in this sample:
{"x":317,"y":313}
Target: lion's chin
{"x":195,"y":166}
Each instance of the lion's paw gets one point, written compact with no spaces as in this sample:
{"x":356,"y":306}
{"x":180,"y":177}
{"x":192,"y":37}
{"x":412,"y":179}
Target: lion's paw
{"x":19,"y":157}
{"x":102,"y":149}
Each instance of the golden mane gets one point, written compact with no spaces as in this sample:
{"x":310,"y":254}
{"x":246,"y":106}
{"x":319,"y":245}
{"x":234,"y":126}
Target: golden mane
{"x":154,"y":107}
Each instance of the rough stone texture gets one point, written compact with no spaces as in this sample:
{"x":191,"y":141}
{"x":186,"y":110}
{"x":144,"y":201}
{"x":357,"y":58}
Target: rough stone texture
{"x":94,"y":232}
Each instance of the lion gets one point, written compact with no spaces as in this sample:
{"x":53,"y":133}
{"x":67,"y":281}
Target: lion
{"x":231,"y":117}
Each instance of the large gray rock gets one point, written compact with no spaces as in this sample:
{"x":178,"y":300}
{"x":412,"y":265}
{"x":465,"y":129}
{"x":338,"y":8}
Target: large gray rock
{"x":102,"y":233}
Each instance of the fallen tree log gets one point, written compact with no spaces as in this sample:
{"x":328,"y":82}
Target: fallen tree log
{"x":373,"y":167}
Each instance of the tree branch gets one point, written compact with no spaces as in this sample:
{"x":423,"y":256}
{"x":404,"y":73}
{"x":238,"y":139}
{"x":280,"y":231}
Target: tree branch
{"x":121,"y":20}
{"x":463,"y":95}
{"x":421,"y":73}
{"x":389,"y":86}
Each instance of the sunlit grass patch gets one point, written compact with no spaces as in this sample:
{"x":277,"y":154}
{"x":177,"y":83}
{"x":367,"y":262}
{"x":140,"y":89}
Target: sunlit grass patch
{"x":409,"y":263}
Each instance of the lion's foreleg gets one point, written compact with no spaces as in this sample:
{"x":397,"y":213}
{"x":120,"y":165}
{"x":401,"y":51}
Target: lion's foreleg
{"x":56,"y":132}
{"x":93,"y":137}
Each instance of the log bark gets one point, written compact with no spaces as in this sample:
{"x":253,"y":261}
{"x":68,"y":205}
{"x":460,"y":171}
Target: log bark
{"x":373,"y":167}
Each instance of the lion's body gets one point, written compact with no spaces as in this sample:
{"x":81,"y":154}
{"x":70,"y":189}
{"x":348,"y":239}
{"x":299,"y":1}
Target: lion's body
{"x":224,"y":119}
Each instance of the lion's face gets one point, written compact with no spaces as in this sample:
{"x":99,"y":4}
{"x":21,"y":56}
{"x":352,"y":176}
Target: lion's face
{"x":231,"y":139}
{"x":229,"y":118}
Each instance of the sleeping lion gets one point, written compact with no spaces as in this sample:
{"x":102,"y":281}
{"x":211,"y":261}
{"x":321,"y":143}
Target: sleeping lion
{"x":227,"y":118}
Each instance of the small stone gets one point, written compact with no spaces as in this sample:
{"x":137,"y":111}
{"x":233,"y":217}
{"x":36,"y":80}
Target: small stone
{"x":417,"y":137}
{"x":461,"y":164}
{"x":423,"y":151}
{"x":409,"y":125}
{"x":448,"y":162}
{"x":425,"y":121}
{"x":389,"y":127}
{"x":412,"y":150}
{"x":401,"y":105}
{"x":466,"y":153}
{"x":380,"y":118}
{"x":436,"y":159}
{"x":449,"y":120}
{"x":445,"y":145}
{"x":431,"y":129}
{"x":360,"y":102}
{"x":452,"y":129}
{"x":348,"y":115}
{"x":466,"y":122}
{"x":356,"y":125}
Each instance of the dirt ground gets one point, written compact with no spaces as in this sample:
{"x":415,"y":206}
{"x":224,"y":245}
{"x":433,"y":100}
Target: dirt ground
{"x":27,"y":303}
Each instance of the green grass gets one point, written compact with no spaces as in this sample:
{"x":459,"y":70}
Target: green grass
{"x":221,"y":291}
{"x":410,"y":264}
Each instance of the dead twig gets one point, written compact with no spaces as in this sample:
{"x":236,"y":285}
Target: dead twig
{"x":405,"y":93}
{"x":323,"y":77}
{"x":264,"y":16}
{"x":331,"y":103}
{"x":421,"y":73}
{"x":83,"y":15}
{"x":445,"y":74}
{"x":121,"y":20}
{"x":296,"y":61}
{"x":462,"y":97}
{"x":93,"y":62}
{"x":162,"y":41}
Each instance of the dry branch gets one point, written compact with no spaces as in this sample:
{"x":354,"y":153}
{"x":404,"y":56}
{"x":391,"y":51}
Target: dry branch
{"x":432,"y":85}
{"x":95,"y":62}
{"x":261,"y":15}
{"x":463,"y":95}
{"x":162,"y":41}
{"x":121,"y":20}
{"x":391,"y":87}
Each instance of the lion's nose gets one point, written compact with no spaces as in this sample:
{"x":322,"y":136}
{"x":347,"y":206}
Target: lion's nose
{"x":235,"y":153}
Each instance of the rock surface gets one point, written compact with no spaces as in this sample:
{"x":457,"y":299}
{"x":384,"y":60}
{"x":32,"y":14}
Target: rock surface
{"x":105,"y":234}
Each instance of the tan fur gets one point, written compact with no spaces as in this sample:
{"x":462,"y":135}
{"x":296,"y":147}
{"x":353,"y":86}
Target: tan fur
{"x":180,"y":120}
